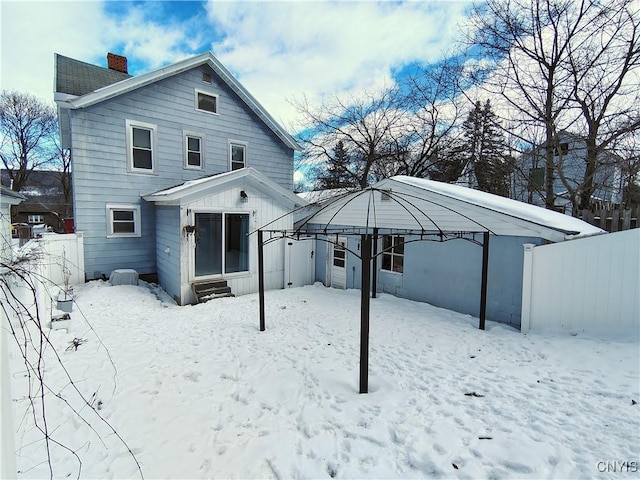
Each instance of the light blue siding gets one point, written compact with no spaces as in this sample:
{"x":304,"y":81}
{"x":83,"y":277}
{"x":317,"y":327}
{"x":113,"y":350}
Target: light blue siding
{"x":100,"y":165}
{"x":448,"y":274}
{"x":168,"y":245}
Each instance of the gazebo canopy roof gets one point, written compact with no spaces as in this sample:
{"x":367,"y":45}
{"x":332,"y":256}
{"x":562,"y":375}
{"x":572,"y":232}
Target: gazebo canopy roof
{"x":413,"y":204}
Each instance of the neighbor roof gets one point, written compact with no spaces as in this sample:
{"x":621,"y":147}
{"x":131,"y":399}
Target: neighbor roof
{"x":10,"y":197}
{"x":408,"y":203}
{"x":132,"y":83}
{"x":78,"y":78}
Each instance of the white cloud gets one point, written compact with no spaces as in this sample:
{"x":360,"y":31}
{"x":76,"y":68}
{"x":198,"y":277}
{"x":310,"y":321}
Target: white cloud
{"x":284,"y":49}
{"x":33,"y":31}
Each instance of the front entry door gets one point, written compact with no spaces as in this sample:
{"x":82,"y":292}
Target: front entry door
{"x":339,"y":263}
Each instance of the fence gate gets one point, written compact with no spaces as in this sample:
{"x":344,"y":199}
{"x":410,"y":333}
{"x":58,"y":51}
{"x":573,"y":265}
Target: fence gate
{"x":299,"y":262}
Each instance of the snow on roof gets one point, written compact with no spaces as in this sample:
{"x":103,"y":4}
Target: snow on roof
{"x":204,"y":185}
{"x":318,"y":196}
{"x":408,"y":203}
{"x":515,"y":208}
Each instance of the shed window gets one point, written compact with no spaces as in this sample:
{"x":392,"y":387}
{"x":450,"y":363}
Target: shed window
{"x":393,"y":253}
{"x":123,"y":221}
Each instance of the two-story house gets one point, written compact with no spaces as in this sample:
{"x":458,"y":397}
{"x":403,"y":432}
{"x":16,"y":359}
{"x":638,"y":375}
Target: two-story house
{"x":569,"y":153}
{"x":172,"y":171}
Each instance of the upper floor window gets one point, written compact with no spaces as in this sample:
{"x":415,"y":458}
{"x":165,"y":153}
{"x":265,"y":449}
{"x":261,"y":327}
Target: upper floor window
{"x":237,"y":155}
{"x":536,"y":177}
{"x":194,"y":151}
{"x":206,"y":102}
{"x":123,"y":220}
{"x":141,"y":146}
{"x":562,"y":149}
{"x":35,"y":218}
{"x":393,"y":253}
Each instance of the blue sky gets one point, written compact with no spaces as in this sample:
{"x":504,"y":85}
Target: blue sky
{"x":278,"y":50}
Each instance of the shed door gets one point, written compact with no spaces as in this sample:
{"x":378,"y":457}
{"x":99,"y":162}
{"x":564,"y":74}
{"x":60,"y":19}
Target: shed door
{"x":299,"y":264}
{"x":339,"y":263}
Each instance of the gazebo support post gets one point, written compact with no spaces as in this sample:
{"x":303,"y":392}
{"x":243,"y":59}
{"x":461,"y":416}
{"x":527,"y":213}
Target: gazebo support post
{"x":483,"y":288}
{"x":374,"y":273}
{"x":261,"y":278}
{"x":365,"y":242}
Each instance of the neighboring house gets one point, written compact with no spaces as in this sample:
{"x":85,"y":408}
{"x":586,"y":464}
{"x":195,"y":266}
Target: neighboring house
{"x":8,"y":199}
{"x":45,"y":201}
{"x":430,"y":237}
{"x":569,"y":154}
{"x":172,"y":171}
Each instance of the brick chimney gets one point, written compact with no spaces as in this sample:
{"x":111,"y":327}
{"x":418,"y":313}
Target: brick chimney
{"x":117,"y":62}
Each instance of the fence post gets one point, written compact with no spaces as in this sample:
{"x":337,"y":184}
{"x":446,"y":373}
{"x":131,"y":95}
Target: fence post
{"x":527,"y":286}
{"x":7,"y":440}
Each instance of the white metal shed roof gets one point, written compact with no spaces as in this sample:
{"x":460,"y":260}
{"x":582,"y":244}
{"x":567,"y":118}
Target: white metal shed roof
{"x":408,"y":203}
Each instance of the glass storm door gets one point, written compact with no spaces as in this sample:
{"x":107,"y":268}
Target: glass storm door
{"x":222,"y":244}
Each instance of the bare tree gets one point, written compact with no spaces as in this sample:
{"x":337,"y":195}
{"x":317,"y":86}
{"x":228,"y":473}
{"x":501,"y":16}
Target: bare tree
{"x":432,"y":106}
{"x":529,"y":41}
{"x":62,"y":162}
{"x":26,"y":126}
{"x":604,"y":66}
{"x":366,"y":125}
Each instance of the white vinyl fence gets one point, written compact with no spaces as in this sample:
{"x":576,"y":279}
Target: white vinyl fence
{"x":584,"y":285}
{"x":49,"y":258}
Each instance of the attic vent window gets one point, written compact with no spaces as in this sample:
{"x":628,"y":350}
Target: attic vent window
{"x":385,"y":195}
{"x":206,"y":102}
{"x":206,"y":78}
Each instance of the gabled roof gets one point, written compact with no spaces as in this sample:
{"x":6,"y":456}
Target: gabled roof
{"x":195,"y":189}
{"x":132,"y":83}
{"x":9,"y":197}
{"x":408,"y":203}
{"x":74,"y":77}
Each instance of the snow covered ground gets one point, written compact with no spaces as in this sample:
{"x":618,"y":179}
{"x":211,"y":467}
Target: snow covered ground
{"x":199,"y":392}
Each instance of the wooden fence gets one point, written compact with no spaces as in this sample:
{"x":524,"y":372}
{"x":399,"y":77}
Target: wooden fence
{"x":611,"y":219}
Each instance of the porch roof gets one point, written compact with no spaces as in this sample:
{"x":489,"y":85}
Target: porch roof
{"x":201,"y":187}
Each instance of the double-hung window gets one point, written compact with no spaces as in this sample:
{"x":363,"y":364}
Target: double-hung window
{"x":35,"y":218}
{"x":194,"y":151}
{"x":141,"y":146}
{"x":123,"y":221}
{"x":237,"y":155}
{"x":393,"y":253}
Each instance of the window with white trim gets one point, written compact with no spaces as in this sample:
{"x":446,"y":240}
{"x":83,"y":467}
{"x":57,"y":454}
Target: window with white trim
{"x":141,"y":146}
{"x":123,"y":221}
{"x":194,"y":151}
{"x":237,"y":155}
{"x":35,"y":218}
{"x":206,"y":102}
{"x":393,"y":253}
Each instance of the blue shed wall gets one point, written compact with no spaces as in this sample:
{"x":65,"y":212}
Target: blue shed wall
{"x":448,"y":274}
